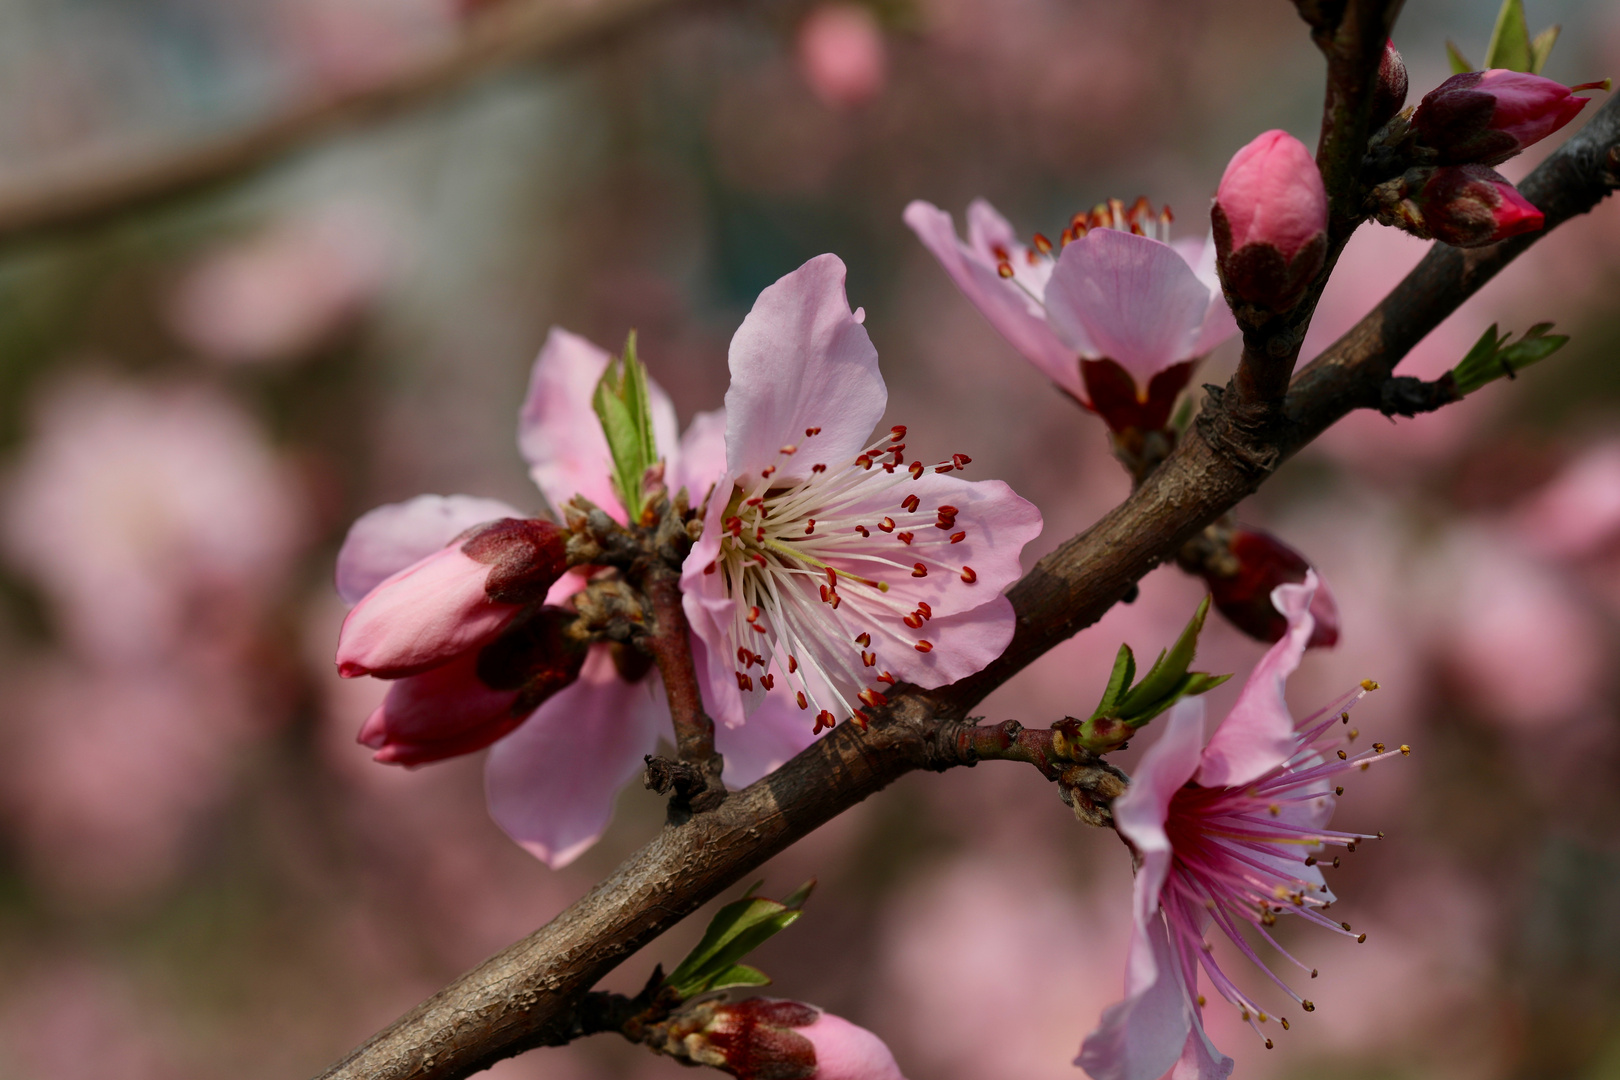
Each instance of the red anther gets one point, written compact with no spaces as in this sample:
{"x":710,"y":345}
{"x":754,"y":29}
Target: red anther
{"x":872,"y":698}
{"x":863,"y":530}
{"x":757,"y":557}
{"x":811,"y":432}
{"x":1004,"y":269}
{"x":793,"y":663}
{"x":947,"y":510}
{"x":943,"y":468}
{"x":864,"y":461}
{"x":869,"y":658}
{"x":919,"y":570}
{"x":810,"y":527}
{"x":909,"y":503}
{"x":825,"y":593}
{"x":1065,"y":238}
{"x":916,"y":469}
{"x":896,"y":448}
{"x":759,"y":533}
{"x":897,"y":433}
{"x":832,"y":577}
{"x":766,"y":471}
{"x":968,"y":575}
{"x":862,"y":719}
{"x":945,"y":523}
{"x":768,"y":681}
{"x":742,"y":656}
{"x":757,"y":500}
{"x":927,"y":612}
{"x":1165,"y":216}
{"x":734,"y":526}
{"x":790,"y":448}
{"x":744,"y":682}
{"x":1031,"y":257}
{"x":899,"y":459}
{"x":888,"y":466}
{"x":1042,"y":244}
{"x":835,"y":601}
{"x":884,"y":676}
{"x":904,"y":538}
{"x":887,"y":524}
{"x":1141,"y":207}
{"x":1001,"y":253}
{"x":818,"y":468}
{"x":914,"y":620}
{"x":1078,"y":224}
{"x":824,"y":720}
{"x":1136,"y":229}
{"x":804,"y":702}
{"x":864,"y":639}
{"x":958,"y":537}
{"x":758,"y":629}
{"x":925,"y":646}
{"x":710,"y":568}
{"x":961,"y":461}
{"x":753,"y":614}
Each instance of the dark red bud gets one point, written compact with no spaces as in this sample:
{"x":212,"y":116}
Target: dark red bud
{"x":1389,"y":94}
{"x":536,"y":656}
{"x":1471,"y":205}
{"x":1241,"y":589}
{"x":526,"y":556}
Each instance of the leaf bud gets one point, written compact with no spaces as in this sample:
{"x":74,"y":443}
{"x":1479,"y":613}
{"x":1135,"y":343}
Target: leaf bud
{"x":1389,"y":93}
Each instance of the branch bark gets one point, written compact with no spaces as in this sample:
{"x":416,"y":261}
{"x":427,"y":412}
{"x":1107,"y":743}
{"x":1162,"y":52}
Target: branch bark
{"x":529,"y":994}
{"x":92,"y":193}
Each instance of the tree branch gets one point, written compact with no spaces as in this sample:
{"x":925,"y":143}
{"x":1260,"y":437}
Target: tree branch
{"x":529,"y":995}
{"x":87,"y":193}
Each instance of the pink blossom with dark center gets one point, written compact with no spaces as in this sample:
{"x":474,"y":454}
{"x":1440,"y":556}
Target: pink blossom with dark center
{"x":1112,"y":292}
{"x":1226,"y":834}
{"x":831,"y":566}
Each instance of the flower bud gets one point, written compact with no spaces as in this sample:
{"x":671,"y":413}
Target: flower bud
{"x":453,"y":600}
{"x":1241,"y":586}
{"x":1389,"y":93}
{"x":1462,"y":205}
{"x":765,"y":1039}
{"x":1270,"y":219}
{"x":1486,"y":117}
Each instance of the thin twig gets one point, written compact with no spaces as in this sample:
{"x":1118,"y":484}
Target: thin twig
{"x":91,"y":193}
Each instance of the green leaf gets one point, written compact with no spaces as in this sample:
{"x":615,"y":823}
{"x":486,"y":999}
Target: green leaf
{"x":1492,"y":357}
{"x":1168,"y":670}
{"x":738,"y":975}
{"x":1459,"y":62}
{"x":735,"y":931}
{"x":1510,"y":40}
{"x":1119,"y":681}
{"x":1541,"y":48}
{"x":624,"y":407}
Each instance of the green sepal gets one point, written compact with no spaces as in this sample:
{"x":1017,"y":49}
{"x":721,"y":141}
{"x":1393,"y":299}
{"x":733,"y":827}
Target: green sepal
{"x":1459,"y":62}
{"x":1125,"y":708}
{"x":624,"y":407}
{"x":735,"y":931}
{"x":1510,"y":39}
{"x":1541,"y":47}
{"x":1493,"y":356}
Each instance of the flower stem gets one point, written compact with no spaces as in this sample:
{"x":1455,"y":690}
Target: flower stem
{"x":671,"y":646}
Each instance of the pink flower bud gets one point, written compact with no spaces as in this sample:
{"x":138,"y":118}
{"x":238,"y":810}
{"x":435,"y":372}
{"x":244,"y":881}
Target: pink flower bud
{"x":1242,"y":587}
{"x":1470,"y":206}
{"x":1389,"y":93}
{"x":1270,"y":219}
{"x":453,"y":600}
{"x":841,"y":54}
{"x":847,"y":1052}
{"x":765,"y":1039}
{"x":1486,"y":117}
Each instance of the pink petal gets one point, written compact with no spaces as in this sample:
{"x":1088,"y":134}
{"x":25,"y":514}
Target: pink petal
{"x":1258,"y":734}
{"x":551,"y":784}
{"x":801,"y":361}
{"x":1134,"y":299}
{"x":1142,"y":1037}
{"x":1200,"y":1060}
{"x":774,"y":732}
{"x":963,"y":644}
{"x":558,"y":431}
{"x":702,"y":457}
{"x":441,"y":713}
{"x":1140,"y":813}
{"x":709,"y":613}
{"x":845,"y":1051}
{"x":386,"y":540}
{"x":1015,"y":314}
{"x":420,"y":618}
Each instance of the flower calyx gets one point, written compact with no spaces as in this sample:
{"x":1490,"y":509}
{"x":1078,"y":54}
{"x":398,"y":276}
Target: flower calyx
{"x":1125,"y":707}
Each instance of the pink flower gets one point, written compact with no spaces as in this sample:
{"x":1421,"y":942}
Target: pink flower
{"x":762,"y":1038}
{"x":1471,"y":205}
{"x":1111,"y":302}
{"x":1577,"y":515}
{"x":1486,"y":117}
{"x":841,"y":54}
{"x":1224,"y":834}
{"x":1270,"y":218}
{"x":552,"y":775}
{"x":827,"y":561}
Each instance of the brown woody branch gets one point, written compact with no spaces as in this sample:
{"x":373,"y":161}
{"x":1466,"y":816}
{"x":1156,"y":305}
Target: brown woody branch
{"x":530,"y":994}
{"x":91,"y":192}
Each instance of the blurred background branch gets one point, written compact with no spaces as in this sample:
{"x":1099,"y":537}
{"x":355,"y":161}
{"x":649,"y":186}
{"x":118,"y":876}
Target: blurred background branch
{"x":502,"y":34}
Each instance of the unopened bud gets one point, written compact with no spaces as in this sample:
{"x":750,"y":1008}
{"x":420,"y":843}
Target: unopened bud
{"x":1461,"y":205}
{"x":1389,"y":93}
{"x":1241,"y":587}
{"x":764,"y":1039}
{"x":1270,"y":220}
{"x":1486,"y":117}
